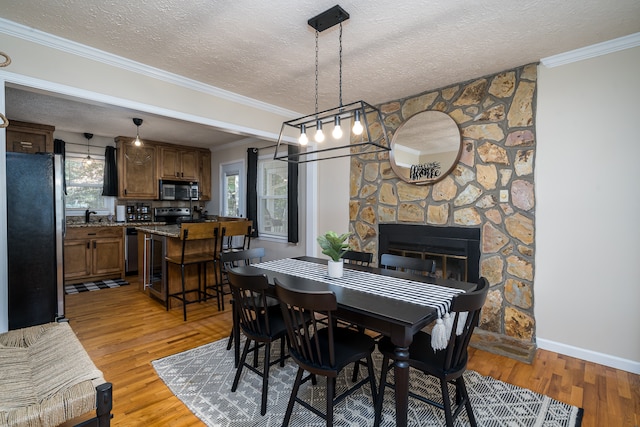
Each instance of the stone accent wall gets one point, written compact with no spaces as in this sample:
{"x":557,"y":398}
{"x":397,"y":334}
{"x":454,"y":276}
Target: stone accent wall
{"x":495,"y":115}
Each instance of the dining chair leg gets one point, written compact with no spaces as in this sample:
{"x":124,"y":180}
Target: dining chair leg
{"x":265,"y":377}
{"x":462,"y":387}
{"x":245,"y":351}
{"x":372,"y":380}
{"x":446,"y":400}
{"x":292,"y":398}
{"x":282,"y":341}
{"x":380,"y":396}
{"x":331,"y":393}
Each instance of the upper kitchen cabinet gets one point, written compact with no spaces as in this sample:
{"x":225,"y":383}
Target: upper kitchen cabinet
{"x":29,"y":137}
{"x":205,"y":175}
{"x":178,"y":164}
{"x":137,"y":178}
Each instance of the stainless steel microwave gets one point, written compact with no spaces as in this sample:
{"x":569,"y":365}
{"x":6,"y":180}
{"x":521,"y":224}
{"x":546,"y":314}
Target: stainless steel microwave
{"x":178,"y":190}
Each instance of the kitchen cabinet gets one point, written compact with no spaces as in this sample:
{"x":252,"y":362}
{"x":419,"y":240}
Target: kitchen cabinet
{"x":25,"y":137}
{"x":178,"y":164}
{"x":137,"y":178}
{"x":204,"y":178}
{"x":93,"y":253}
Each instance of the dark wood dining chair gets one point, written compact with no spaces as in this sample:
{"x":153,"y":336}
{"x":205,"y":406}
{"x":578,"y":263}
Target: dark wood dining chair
{"x":319,"y":348}
{"x":228,"y":260}
{"x":193,"y":255}
{"x":447,"y":365}
{"x":358,"y":258}
{"x":412,"y":265}
{"x":260,"y":323}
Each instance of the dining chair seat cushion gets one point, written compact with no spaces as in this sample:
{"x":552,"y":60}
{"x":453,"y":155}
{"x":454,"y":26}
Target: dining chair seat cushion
{"x":349,"y":345}
{"x":422,"y":356}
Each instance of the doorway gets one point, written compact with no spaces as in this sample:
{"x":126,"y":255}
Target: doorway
{"x":232,"y":191}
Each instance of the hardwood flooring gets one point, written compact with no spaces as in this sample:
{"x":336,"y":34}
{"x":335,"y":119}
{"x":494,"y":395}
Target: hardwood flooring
{"x":123,"y":330}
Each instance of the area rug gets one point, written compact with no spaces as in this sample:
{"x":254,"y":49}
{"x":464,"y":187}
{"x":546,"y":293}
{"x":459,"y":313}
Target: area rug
{"x":202,"y":378}
{"x":94,"y":286}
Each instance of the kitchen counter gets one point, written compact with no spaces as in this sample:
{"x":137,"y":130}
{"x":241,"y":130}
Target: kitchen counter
{"x":160,"y":229}
{"x":112,"y":224}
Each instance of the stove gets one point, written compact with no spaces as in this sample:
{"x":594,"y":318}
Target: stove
{"x":172,"y":215}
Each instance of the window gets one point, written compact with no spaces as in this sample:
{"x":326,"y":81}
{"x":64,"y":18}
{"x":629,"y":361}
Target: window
{"x":84,"y":185}
{"x":272,"y":197}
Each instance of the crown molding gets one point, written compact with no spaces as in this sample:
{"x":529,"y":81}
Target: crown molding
{"x":49,"y":40}
{"x":621,"y":43}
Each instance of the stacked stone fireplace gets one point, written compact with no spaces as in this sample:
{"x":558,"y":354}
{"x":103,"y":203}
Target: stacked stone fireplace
{"x":490,"y":194}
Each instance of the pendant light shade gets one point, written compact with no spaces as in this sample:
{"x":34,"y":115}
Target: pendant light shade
{"x":367,"y":133}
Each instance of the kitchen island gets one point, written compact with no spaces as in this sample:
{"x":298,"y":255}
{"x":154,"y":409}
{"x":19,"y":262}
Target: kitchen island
{"x":159,"y":278}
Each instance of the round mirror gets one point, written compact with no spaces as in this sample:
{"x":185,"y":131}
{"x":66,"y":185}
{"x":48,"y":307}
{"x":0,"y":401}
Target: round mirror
{"x":425,"y":148}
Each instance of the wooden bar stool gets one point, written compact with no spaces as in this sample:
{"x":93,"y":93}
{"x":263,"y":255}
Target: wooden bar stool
{"x":190,"y":232}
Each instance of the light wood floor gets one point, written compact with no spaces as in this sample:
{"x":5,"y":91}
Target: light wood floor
{"x":123,"y":331}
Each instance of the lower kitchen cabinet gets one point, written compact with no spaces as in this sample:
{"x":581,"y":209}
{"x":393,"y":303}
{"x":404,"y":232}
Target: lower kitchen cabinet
{"x":93,"y":253}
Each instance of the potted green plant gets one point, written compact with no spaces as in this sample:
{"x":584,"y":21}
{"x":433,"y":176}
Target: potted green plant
{"x":334,"y":245}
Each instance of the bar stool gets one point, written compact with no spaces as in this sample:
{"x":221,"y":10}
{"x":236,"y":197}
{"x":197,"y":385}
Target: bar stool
{"x":190,"y":232}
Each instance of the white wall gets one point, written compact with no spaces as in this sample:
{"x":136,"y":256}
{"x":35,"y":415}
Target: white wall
{"x":587,"y":278}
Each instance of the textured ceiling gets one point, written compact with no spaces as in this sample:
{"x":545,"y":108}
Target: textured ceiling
{"x":265,"y":49}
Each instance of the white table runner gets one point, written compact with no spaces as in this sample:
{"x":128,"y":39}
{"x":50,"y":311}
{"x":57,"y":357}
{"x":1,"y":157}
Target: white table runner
{"x":421,"y":293}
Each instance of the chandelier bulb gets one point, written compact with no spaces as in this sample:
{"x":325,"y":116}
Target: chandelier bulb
{"x":357,"y":126}
{"x":319,"y":134}
{"x":137,"y":142}
{"x":303,"y":140}
{"x":337,"y":131}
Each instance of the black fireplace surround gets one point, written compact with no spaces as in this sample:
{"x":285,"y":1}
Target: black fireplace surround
{"x":458,"y":241}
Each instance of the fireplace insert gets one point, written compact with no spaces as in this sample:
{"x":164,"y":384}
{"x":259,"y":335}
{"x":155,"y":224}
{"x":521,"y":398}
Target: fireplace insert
{"x":456,"y":250}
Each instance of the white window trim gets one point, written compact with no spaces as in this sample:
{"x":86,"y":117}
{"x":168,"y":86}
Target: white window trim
{"x":266,"y":235}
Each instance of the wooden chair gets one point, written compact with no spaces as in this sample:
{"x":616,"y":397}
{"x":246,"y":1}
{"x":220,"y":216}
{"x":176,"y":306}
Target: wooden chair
{"x":447,"y":365}
{"x":228,"y":260}
{"x":259,"y":322}
{"x":358,"y":258}
{"x":190,"y":232}
{"x":424,"y":267}
{"x":321,"y":349}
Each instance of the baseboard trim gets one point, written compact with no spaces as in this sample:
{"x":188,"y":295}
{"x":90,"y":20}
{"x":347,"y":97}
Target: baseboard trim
{"x":590,"y":356}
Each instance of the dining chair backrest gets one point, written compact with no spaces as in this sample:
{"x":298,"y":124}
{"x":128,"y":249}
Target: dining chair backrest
{"x":305,"y":313}
{"x":465,"y":309}
{"x":358,"y":258}
{"x":412,"y":265}
{"x":250,"y":299}
{"x":235,"y":234}
{"x":245,"y":257}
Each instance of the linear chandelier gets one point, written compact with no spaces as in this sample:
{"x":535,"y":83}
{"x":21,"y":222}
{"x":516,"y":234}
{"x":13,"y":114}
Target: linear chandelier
{"x":367,"y":132}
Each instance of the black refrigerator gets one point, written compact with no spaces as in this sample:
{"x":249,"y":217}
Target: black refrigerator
{"x":35,"y":232}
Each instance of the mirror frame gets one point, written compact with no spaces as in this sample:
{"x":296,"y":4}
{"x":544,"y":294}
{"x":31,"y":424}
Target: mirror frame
{"x":404,"y":172}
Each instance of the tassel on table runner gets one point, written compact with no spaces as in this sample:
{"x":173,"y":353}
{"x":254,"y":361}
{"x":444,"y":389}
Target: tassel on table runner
{"x":442,"y":330}
{"x":439,"y":338}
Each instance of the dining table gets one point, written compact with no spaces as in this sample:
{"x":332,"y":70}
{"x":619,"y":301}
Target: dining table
{"x":394,"y":303}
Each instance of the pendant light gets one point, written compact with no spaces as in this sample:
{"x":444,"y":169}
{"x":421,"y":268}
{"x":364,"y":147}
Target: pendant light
{"x":363,"y":116}
{"x":88,"y":160}
{"x":137,"y":142}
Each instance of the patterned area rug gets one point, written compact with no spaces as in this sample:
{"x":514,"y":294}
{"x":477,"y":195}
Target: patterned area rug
{"x":202,"y":379}
{"x":94,"y":286}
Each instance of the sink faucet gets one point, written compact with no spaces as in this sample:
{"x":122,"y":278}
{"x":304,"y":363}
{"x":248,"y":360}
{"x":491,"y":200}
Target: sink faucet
{"x":87,"y":214}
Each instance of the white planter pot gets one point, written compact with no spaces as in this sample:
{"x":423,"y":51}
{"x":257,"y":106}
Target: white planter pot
{"x":335,"y":269}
